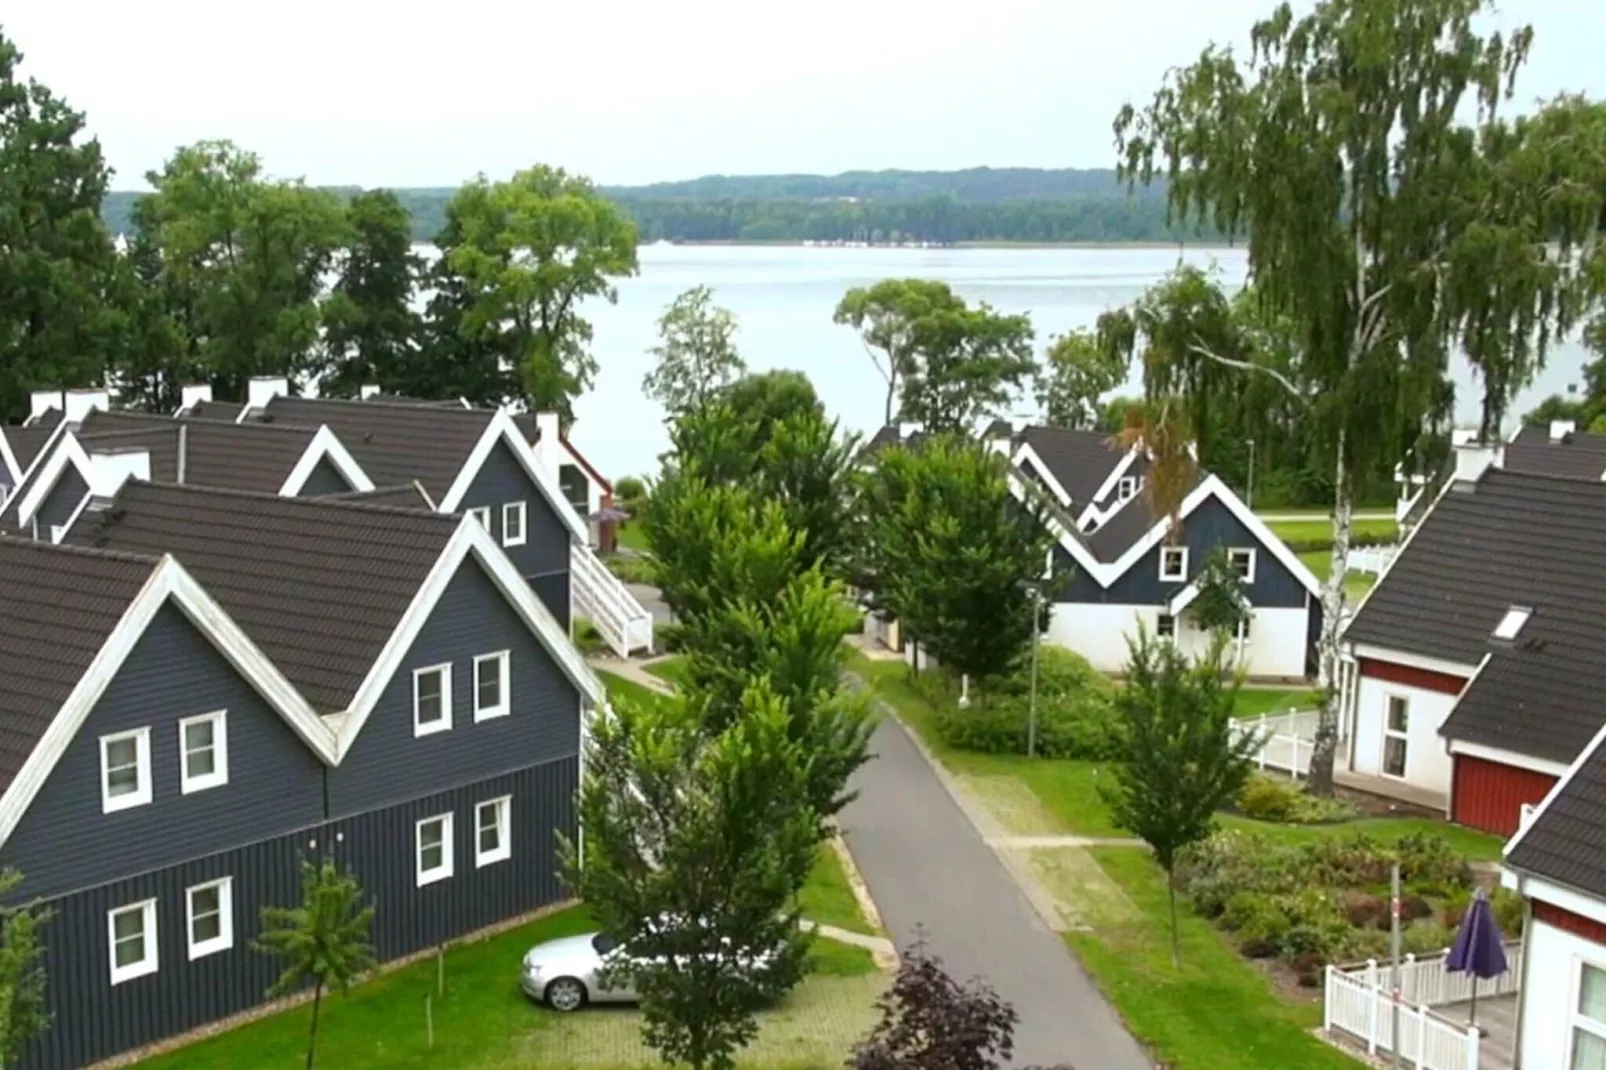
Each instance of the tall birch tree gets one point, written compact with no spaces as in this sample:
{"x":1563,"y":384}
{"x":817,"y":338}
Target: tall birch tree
{"x":1332,"y":146}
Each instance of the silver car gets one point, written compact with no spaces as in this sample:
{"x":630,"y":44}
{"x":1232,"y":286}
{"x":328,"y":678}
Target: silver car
{"x":564,"y":973}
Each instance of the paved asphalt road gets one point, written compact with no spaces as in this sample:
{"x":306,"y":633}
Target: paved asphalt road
{"x":928,"y":868}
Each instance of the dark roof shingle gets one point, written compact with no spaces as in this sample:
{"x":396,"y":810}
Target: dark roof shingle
{"x":1567,"y":841}
{"x":58,"y":606}
{"x":319,"y":585}
{"x":1578,"y":455}
{"x":1079,"y":461}
{"x":394,"y":444}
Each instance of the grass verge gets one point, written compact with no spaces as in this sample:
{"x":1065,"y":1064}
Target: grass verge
{"x":1254,"y":701}
{"x":1321,"y":528}
{"x":1215,"y":1011}
{"x":828,"y":899}
{"x":1356,"y":584}
{"x":620,"y":688}
{"x":672,"y":669}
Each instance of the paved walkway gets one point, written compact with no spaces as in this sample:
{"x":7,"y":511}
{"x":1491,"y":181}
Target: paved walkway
{"x":932,"y":874}
{"x":633,"y":671}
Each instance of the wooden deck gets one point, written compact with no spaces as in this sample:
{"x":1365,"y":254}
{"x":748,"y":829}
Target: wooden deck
{"x":1497,"y":1016}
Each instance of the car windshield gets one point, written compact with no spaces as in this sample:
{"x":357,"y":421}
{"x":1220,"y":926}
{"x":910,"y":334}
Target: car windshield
{"x":602,"y":943}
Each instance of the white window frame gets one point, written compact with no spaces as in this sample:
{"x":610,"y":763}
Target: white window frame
{"x":483,"y":515}
{"x":1173,"y":575}
{"x":1242,"y":629}
{"x":1576,"y":1020}
{"x":502,"y":808}
{"x":220,"y":753}
{"x":1249,"y":555}
{"x":225,"y":905}
{"x":522,"y":511}
{"x":1126,"y":487}
{"x":1511,"y":624}
{"x":152,"y":960}
{"x":141,"y":795}
{"x":500,"y":660}
{"x":1389,"y":732}
{"x":1168,"y":637}
{"x":444,"y":870}
{"x":445,"y":722}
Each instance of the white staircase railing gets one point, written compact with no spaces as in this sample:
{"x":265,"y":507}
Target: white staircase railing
{"x":624,"y":623}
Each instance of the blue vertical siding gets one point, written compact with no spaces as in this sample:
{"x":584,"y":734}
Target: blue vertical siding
{"x":544,"y":557}
{"x":173,"y":672}
{"x":387,"y":764}
{"x":62,"y":501}
{"x":325,"y":478}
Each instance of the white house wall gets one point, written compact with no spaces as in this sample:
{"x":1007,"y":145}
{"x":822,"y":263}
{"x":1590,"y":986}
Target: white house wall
{"x":1098,"y":631}
{"x":1550,"y":991}
{"x":1427,"y":763}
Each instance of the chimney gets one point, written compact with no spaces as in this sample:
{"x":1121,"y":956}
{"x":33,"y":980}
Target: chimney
{"x":367,"y":390}
{"x":262,"y":389}
{"x":1474,"y":458}
{"x":1560,"y":429}
{"x":110,"y":469}
{"x":547,"y":447}
{"x":190,"y":396}
{"x":42,"y":401}
{"x":80,"y":403}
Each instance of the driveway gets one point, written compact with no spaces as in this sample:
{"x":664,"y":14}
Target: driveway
{"x":928,"y":868}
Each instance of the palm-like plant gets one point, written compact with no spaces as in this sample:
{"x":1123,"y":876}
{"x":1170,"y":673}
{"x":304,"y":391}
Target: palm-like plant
{"x":324,"y":940}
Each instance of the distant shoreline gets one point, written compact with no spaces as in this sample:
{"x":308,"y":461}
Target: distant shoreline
{"x":795,"y":243}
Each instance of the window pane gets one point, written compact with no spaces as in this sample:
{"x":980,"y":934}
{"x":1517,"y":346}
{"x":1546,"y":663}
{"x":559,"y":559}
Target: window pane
{"x":130,"y":923}
{"x":490,"y":835}
{"x":429,"y":697}
{"x":206,"y":927}
{"x":1399,"y":715}
{"x":122,"y":781}
{"x":1592,"y":994}
{"x":490,"y":684}
{"x":121,"y":752}
{"x":131,"y":950}
{"x":1589,"y":1051}
{"x":1394,"y":756}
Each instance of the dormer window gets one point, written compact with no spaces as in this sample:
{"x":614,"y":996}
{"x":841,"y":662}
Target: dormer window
{"x":1511,"y":624}
{"x":1173,"y":563}
{"x":1242,"y":562}
{"x":1127,"y":487}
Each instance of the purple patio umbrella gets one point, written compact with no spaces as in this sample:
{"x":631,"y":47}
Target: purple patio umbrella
{"x":1478,"y":948}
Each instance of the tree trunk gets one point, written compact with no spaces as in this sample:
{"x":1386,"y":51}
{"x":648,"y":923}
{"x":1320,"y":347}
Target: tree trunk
{"x":1176,"y":935}
{"x":892,"y":390}
{"x":312,"y":1039}
{"x":1324,"y":750}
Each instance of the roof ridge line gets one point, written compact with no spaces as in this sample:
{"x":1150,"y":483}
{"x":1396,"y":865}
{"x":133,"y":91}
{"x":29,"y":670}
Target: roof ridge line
{"x":326,"y":502}
{"x":39,"y":545}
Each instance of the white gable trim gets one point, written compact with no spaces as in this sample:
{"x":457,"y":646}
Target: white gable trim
{"x":502,"y":429}
{"x":325,"y":444}
{"x":1072,"y":546}
{"x":168,"y":581}
{"x":1026,"y":453}
{"x":49,"y":447}
{"x":67,"y":451}
{"x":1102,"y":516}
{"x":1213,"y":487}
{"x":1500,"y":756}
{"x":470,"y":538}
{"x":10,"y":459}
{"x":1399,"y":553}
{"x":1109,"y":484}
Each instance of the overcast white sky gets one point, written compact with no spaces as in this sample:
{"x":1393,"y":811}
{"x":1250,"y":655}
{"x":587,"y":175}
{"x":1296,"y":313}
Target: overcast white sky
{"x":404,"y":93}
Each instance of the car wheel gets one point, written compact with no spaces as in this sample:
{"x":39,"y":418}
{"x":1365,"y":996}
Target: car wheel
{"x":566,"y":994}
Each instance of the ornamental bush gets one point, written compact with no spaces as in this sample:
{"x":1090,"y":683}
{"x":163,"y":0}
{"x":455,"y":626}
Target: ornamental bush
{"x":1075,"y":718}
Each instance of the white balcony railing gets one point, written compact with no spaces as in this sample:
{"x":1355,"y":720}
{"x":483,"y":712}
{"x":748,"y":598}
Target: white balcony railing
{"x":624,"y":623}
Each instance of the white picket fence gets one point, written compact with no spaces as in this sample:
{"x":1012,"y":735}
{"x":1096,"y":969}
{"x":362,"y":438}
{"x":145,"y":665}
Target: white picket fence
{"x":1286,"y":739}
{"x":1358,"y":1003}
{"x":1373,"y":559}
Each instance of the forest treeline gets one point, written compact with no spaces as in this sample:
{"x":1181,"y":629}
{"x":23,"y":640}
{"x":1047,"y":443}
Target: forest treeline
{"x":977,"y":205}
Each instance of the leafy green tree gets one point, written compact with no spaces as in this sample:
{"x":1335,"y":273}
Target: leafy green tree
{"x":528,"y":252}
{"x":1335,"y":145}
{"x":61,"y":323}
{"x":324,"y":941}
{"x":1078,"y":370}
{"x":1178,"y":762}
{"x":696,"y":353}
{"x":945,"y":363}
{"x":889,"y":317}
{"x":22,"y":976}
{"x":242,"y":261}
{"x":371,"y":332}
{"x":1222,"y":602}
{"x":771,"y":397}
{"x":952,"y":554}
{"x":714,"y":829}
{"x":464,"y":355}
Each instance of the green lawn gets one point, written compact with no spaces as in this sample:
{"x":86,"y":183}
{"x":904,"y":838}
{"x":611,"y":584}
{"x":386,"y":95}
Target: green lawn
{"x":1254,"y":701}
{"x":1321,"y":527}
{"x":1214,"y":1012}
{"x":1356,"y":584}
{"x":672,"y":669}
{"x":631,"y":536}
{"x":620,"y":688}
{"x":828,"y":898}
{"x":484,"y":1022}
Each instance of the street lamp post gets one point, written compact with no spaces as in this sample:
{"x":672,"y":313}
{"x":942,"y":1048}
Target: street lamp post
{"x":1037,"y":638}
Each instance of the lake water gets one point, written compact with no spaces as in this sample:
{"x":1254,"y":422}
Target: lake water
{"x":783,"y":298}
